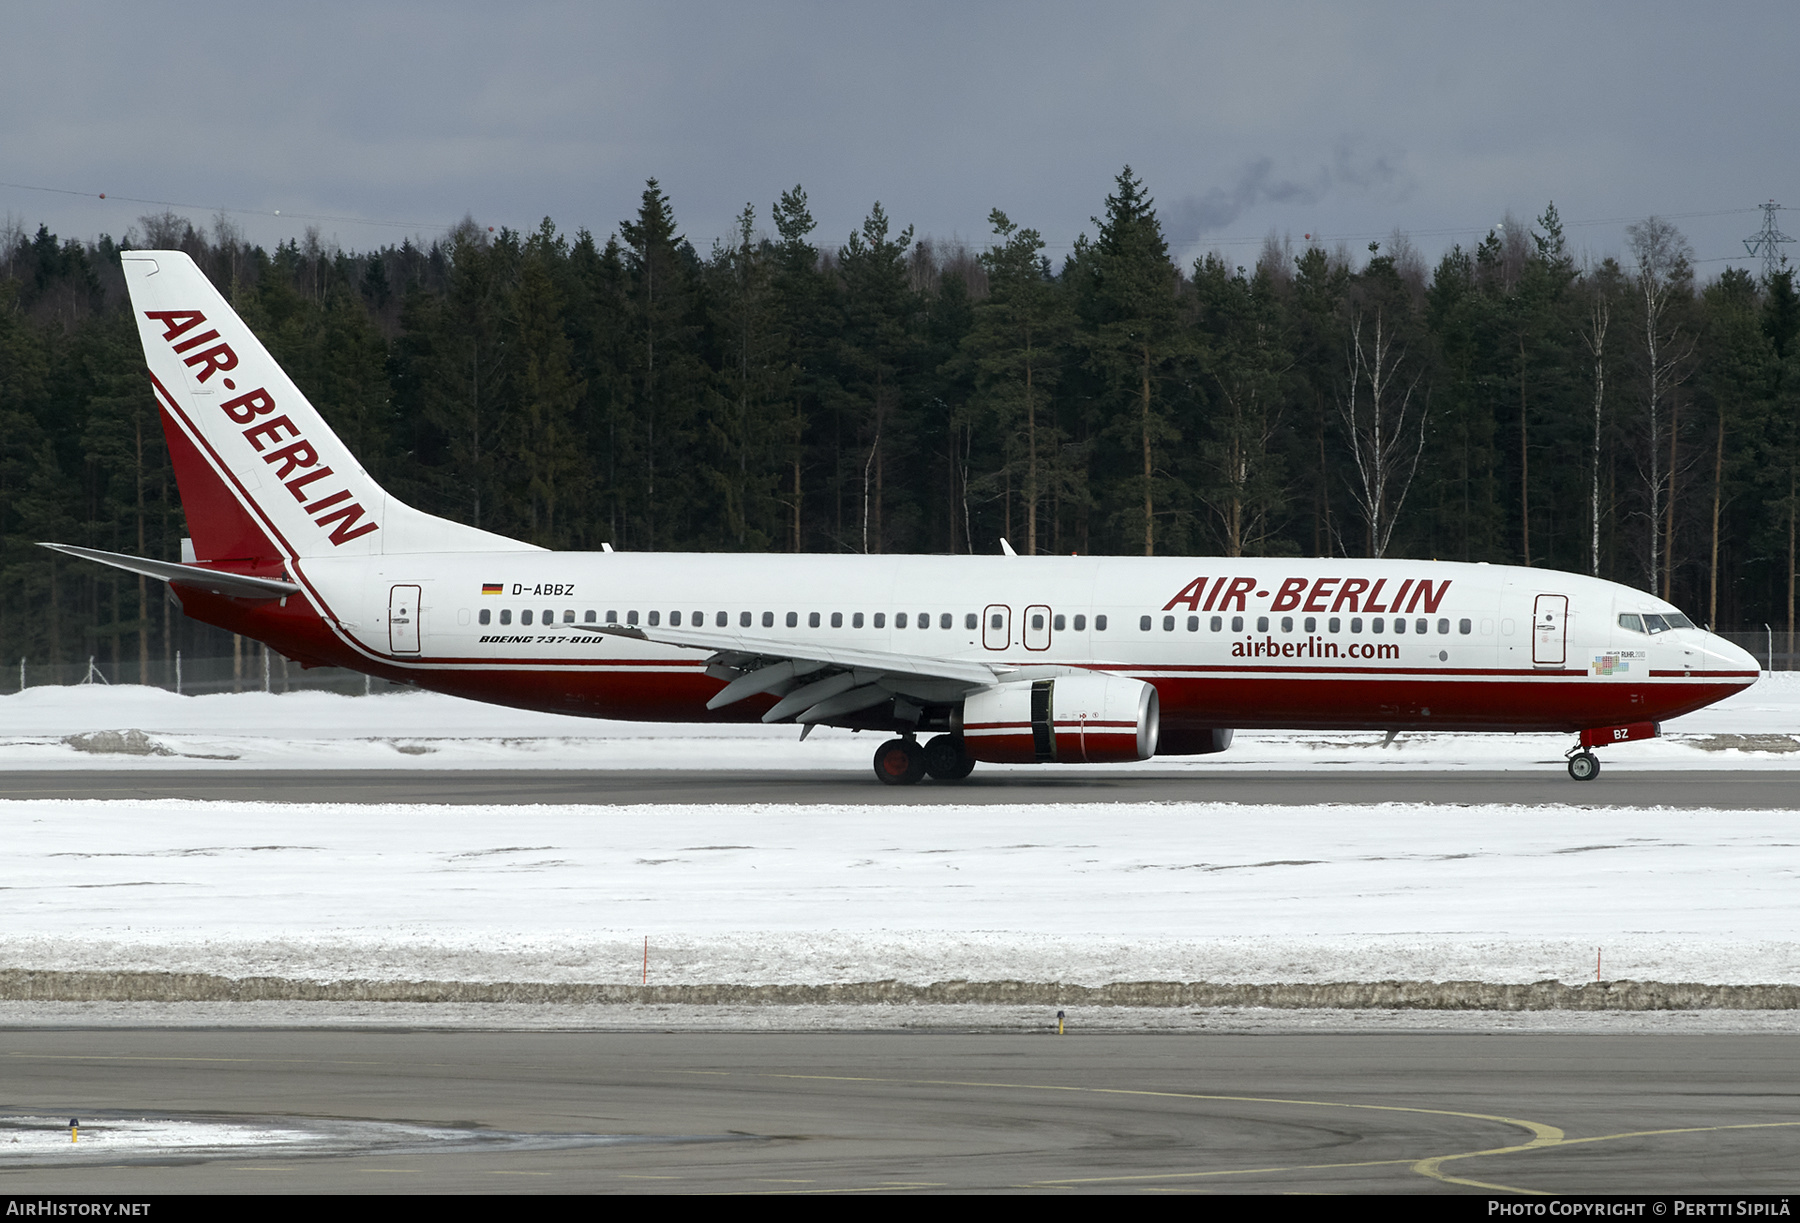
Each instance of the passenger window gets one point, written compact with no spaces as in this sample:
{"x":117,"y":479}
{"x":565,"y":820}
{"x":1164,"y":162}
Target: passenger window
{"x":1099,"y":624}
{"x":1424,"y":626}
{"x":946,"y":621}
{"x":900,"y":620}
{"x":881,"y":620}
{"x":1037,"y":621}
{"x":768,"y":619}
{"x":1081,"y":624}
{"x":1237,"y":624}
{"x":793,"y":619}
{"x":743,"y":619}
{"x":589,"y":616}
{"x":486,"y":615}
{"x":1143,"y":624}
{"x":699,"y":620}
{"x":812,"y":620}
{"x":1465,"y":627}
{"x":856,"y":620}
{"x":722,"y":620}
{"x":1056,"y":622}
{"x":1333,"y":625}
{"x":924,"y":619}
{"x":1310,"y":624}
{"x":1262,"y":624}
{"x":612,"y":617}
{"x":971,"y":621}
{"x":655,"y":618}
{"x":1193,"y":624}
{"x":525,"y":617}
{"x":506,"y":615}
{"x":674,"y":619}
{"x":1287,"y":624}
{"x":1375,"y":625}
{"x":1399,"y":624}
{"x":996,"y":620}
{"x":837,"y":619}
{"x":549,"y":615}
{"x":1356,"y":624}
{"x":1218,"y":623}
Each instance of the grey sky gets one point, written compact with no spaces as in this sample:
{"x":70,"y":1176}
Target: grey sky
{"x":1339,"y":120}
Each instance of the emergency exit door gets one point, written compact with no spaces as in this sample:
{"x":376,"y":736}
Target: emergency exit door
{"x":403,"y":619}
{"x":1550,"y":631}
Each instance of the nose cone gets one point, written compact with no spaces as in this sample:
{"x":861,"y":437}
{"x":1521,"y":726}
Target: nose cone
{"x":1722,"y":655}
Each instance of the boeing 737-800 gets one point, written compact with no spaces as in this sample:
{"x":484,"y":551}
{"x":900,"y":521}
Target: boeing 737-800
{"x":997,"y":658}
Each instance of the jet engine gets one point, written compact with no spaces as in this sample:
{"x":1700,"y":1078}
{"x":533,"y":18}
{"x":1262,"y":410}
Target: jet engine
{"x":1073,"y":719}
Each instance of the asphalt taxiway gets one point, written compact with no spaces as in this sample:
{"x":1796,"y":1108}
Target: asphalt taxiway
{"x":1619,"y":787}
{"x":910,"y":1112}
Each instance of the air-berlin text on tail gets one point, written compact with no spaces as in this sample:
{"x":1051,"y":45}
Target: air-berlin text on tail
{"x":1312,"y":595}
{"x":296,"y":462}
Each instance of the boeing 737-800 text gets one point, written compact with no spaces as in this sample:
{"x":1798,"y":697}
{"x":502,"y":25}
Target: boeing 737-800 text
{"x":996,"y":658}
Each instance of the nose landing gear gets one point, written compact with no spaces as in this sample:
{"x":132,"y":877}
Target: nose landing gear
{"x":1584,"y":765}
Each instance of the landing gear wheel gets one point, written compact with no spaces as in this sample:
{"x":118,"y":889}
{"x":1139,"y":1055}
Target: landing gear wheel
{"x":946,"y":760}
{"x":900,"y":762}
{"x":1583,"y":766}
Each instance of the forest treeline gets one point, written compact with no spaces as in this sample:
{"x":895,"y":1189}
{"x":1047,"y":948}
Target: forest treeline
{"x":789,"y":392}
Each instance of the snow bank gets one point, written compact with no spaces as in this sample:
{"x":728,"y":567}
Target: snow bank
{"x":1079,"y":893}
{"x":90,"y":727}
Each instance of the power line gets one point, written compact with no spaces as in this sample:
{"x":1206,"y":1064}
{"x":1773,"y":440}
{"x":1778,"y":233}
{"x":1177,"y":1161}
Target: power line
{"x":1767,"y":241}
{"x":255,"y":212}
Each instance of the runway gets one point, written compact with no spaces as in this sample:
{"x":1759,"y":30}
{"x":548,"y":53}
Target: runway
{"x":911,"y":1112}
{"x":1722,"y":790}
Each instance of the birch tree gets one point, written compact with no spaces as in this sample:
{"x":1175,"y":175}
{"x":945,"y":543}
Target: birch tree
{"x":1380,"y":405}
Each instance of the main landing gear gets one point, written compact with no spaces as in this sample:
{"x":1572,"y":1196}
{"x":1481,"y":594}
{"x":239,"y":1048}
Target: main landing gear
{"x":902,"y":762}
{"x":1584,"y":766}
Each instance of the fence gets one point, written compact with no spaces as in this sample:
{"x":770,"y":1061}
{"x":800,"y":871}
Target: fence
{"x":1774,"y":650}
{"x":258,"y":669}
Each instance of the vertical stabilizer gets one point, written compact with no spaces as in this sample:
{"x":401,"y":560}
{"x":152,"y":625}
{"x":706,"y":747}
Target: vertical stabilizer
{"x":254,"y":444}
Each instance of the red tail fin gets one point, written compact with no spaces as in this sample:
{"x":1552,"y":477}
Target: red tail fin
{"x":220,"y":527}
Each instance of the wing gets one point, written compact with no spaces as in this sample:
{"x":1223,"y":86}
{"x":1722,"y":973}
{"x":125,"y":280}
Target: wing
{"x":816,"y":681}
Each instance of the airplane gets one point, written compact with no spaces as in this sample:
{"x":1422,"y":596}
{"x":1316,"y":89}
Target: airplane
{"x":1000,"y":659}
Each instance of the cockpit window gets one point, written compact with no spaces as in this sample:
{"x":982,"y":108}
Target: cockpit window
{"x":1633,"y":622}
{"x":1655,"y":624}
{"x":1677,"y":620}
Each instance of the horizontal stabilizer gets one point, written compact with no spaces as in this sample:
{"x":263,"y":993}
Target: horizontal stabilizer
{"x":240,"y":585}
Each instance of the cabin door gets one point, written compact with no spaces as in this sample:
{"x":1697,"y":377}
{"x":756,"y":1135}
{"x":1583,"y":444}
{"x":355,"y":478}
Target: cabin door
{"x":1550,"y":631}
{"x":403,"y":619}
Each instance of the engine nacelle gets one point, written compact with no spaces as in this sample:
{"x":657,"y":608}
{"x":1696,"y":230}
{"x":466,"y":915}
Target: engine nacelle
{"x":1191,"y":742}
{"x":1073,"y":719}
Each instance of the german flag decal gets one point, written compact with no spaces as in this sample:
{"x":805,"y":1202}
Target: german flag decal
{"x":493,"y":588}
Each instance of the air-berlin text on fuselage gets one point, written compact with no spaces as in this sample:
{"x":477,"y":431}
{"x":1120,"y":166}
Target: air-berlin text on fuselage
{"x":296,"y":462}
{"x":1313,"y":595}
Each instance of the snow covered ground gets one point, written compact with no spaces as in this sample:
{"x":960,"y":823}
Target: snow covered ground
{"x":86,"y":727}
{"x":1079,"y":893}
